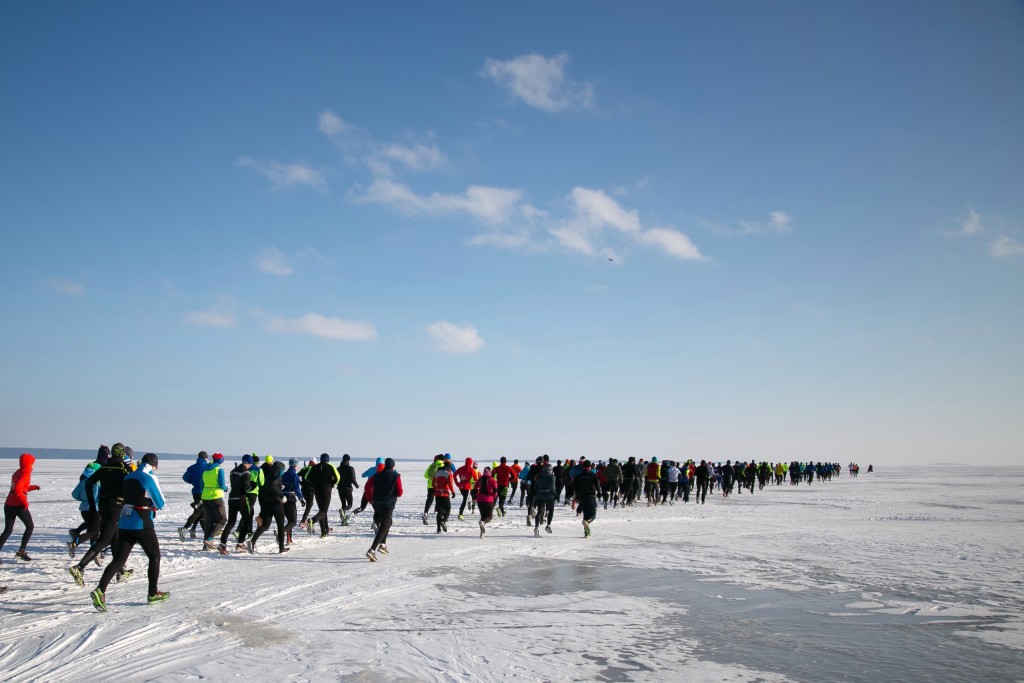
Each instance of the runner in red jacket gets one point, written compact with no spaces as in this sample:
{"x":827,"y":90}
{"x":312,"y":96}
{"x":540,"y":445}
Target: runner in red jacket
{"x":16,"y":505}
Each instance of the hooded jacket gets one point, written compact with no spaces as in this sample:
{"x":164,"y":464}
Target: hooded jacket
{"x":21,"y":482}
{"x":466,"y":476}
{"x":142,"y":497}
{"x":544,"y":486}
{"x":385,"y":487}
{"x":194,"y":476}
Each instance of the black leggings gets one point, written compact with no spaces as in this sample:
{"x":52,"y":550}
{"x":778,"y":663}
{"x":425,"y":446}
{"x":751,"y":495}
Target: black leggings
{"x":236,"y":507}
{"x":462,"y":508}
{"x":345,"y":497}
{"x":443,"y":506}
{"x":430,"y":499}
{"x":267,"y":510}
{"x":307,"y":497}
{"x":213,"y":513}
{"x":196,"y":518}
{"x":89,"y":527}
{"x":127,"y":540}
{"x":323,"y":504}
{"x":383,"y":513}
{"x":543,"y":506}
{"x":110,"y":513}
{"x":12,"y":512}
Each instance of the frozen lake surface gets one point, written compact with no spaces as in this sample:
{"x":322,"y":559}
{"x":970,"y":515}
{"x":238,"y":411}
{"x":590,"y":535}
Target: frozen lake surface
{"x":904,"y":574}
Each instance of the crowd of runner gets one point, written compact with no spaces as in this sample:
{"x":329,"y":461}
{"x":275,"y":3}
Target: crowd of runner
{"x":233,"y":506}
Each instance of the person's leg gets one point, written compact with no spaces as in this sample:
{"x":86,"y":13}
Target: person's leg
{"x":465,"y":497}
{"x":124,"y":548}
{"x":10,"y":514}
{"x":26,"y":518}
{"x":151,"y":546}
{"x":234,"y":507}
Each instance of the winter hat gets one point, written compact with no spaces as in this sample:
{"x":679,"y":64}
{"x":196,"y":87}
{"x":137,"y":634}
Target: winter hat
{"x":292,"y":462}
{"x":346,"y":457}
{"x":128,"y":453}
{"x":654,"y":459}
{"x":150,"y":459}
{"x":324,"y":457}
{"x":389,"y":464}
{"x":218,"y":458}
{"x":487,"y":472}
{"x":247,"y":459}
{"x":280,"y":466}
{"x":380,"y":461}
{"x":311,"y":461}
{"x":103,"y":455}
{"x":117,"y":451}
{"x":203,"y":455}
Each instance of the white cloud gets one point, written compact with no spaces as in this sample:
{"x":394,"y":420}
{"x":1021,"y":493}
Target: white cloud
{"x":273,"y":261}
{"x":417,"y":157}
{"x":284,"y":176}
{"x":491,"y":205}
{"x":212,"y":318}
{"x":452,"y":338}
{"x":332,"y":125}
{"x":539,"y":82}
{"x":779,"y":223}
{"x":673,"y":243}
{"x":1004,"y":247}
{"x":317,"y":325}
{"x":66,"y":287}
{"x":594,"y":211}
{"x":968,"y":227}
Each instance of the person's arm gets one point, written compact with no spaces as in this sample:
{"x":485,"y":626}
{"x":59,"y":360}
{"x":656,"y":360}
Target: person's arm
{"x":398,"y":486}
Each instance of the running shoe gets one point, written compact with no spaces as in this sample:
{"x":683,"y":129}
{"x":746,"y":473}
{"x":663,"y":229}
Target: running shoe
{"x":77,"y":575}
{"x":382,"y":549}
{"x":424,"y":519}
{"x":181,"y":532}
{"x":444,"y":527}
{"x":370,"y":555}
{"x":536,"y":531}
{"x":22,"y":555}
{"x":158,"y":597}
{"x":124,"y":575}
{"x":209,"y":545}
{"x":586,"y":529}
{"x":97,"y":559}
{"x":71,"y":549}
{"x":222,"y":549}
{"x":283,"y":550}
{"x":461,"y":518}
{"x":98,"y":600}
{"x":191,"y":534}
{"x":73,"y":536}
{"x":548,"y":528}
{"x":483,"y":529}
{"x":250,"y":547}
{"x":240,"y":548}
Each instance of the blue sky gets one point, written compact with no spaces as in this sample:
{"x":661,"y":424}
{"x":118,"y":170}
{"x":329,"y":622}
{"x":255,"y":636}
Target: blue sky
{"x":725,"y":230}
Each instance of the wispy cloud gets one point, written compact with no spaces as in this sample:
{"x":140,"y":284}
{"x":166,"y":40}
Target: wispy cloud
{"x":1004,"y":247}
{"x":380,"y":157}
{"x":66,"y":287}
{"x":273,"y":261}
{"x":971,"y":226}
{"x":540,"y":82}
{"x":594,"y":211}
{"x":317,"y":325}
{"x":778,"y":223}
{"x":221,"y":314}
{"x":490,"y":205}
{"x":283,"y":176}
{"x":212,"y":318}
{"x":452,"y":338}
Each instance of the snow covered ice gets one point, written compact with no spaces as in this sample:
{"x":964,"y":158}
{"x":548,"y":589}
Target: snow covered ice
{"x":904,"y":574}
